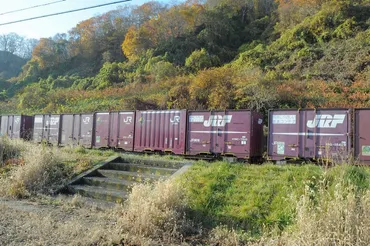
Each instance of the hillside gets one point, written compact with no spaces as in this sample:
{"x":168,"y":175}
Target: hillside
{"x":203,"y":55}
{"x":10,"y":65}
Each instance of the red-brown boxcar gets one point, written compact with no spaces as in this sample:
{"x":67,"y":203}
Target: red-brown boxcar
{"x":362,"y":135}
{"x":160,"y":131}
{"x":309,"y":134}
{"x":47,"y":128}
{"x":115,"y":130}
{"x":237,"y":133}
{"x":16,"y":126}
{"x":77,"y":129}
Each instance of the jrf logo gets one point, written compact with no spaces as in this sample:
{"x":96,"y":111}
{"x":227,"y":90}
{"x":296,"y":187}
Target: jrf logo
{"x":326,"y":121}
{"x":217,"y":120}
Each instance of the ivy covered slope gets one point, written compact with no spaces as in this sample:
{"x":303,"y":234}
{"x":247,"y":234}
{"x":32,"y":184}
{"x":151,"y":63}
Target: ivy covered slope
{"x":202,"y":55}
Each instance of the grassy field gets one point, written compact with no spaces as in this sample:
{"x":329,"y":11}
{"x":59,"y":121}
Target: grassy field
{"x":212,"y":204}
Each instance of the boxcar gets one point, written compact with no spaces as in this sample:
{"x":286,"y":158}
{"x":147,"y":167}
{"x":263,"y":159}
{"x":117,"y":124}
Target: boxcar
{"x":163,"y":131}
{"x":47,"y":128}
{"x":16,"y":126}
{"x":362,"y":135}
{"x":226,"y":133}
{"x":77,"y":129}
{"x":309,"y":134}
{"x":115,"y":130}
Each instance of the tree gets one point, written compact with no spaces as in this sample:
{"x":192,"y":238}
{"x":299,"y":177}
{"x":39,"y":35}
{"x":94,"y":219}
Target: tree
{"x":213,"y":89}
{"x":200,"y":59}
{"x":11,"y":42}
{"x":28,"y":46}
{"x":137,"y":41}
{"x":51,"y":52}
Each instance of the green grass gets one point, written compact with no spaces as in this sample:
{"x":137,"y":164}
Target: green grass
{"x":262,"y":198}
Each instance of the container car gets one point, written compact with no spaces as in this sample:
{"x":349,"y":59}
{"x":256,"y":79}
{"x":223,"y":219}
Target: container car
{"x":362,"y":135}
{"x":225,"y":133}
{"x":162,"y":131}
{"x":115,"y":130}
{"x":16,"y":126}
{"x":309,"y":134}
{"x":47,"y":128}
{"x":77,"y":129}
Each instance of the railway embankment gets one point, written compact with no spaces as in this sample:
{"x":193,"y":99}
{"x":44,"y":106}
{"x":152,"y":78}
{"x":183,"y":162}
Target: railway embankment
{"x":211,"y":203}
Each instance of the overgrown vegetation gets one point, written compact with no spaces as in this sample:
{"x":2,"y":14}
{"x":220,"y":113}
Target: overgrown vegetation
{"x":232,"y":204}
{"x":27,"y":169}
{"x":156,"y":214}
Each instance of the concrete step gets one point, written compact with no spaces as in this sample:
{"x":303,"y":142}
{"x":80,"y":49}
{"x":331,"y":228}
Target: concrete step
{"x":129,"y":176}
{"x":130,"y":167}
{"x":109,"y":183}
{"x":100,"y":193}
{"x":155,"y":162}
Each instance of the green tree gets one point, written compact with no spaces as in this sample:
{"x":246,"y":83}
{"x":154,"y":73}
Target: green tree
{"x":201,"y":59}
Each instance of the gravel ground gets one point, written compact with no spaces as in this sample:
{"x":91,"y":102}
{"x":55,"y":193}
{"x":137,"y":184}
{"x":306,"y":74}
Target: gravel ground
{"x":57,"y":221}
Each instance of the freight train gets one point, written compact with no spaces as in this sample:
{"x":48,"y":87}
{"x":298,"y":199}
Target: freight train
{"x":293,"y":134}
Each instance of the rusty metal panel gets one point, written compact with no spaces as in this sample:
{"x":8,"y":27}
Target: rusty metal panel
{"x":362,"y":135}
{"x":102,"y":121}
{"x":86,"y":130}
{"x":228,"y":133}
{"x":163,"y":131}
{"x":122,"y":127}
{"x":309,"y":134}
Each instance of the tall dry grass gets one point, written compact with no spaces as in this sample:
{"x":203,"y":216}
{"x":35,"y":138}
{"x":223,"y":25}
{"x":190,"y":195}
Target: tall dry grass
{"x":34,"y":168}
{"x":339,"y":219}
{"x":336,"y":214}
{"x":156,"y":214}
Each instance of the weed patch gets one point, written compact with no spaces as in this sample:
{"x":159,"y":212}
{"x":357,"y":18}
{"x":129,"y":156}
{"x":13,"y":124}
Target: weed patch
{"x":156,"y":213}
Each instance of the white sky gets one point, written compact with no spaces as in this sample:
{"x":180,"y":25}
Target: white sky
{"x":48,"y":27}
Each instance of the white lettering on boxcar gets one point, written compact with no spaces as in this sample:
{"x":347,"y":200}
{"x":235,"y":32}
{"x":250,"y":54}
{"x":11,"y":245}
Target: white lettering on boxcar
{"x":196,"y":118}
{"x":175,"y":120}
{"x":218,"y":120}
{"x":284,"y":119}
{"x":128,"y":120}
{"x":326,"y":121}
{"x":86,"y":120}
{"x":54,"y":121}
